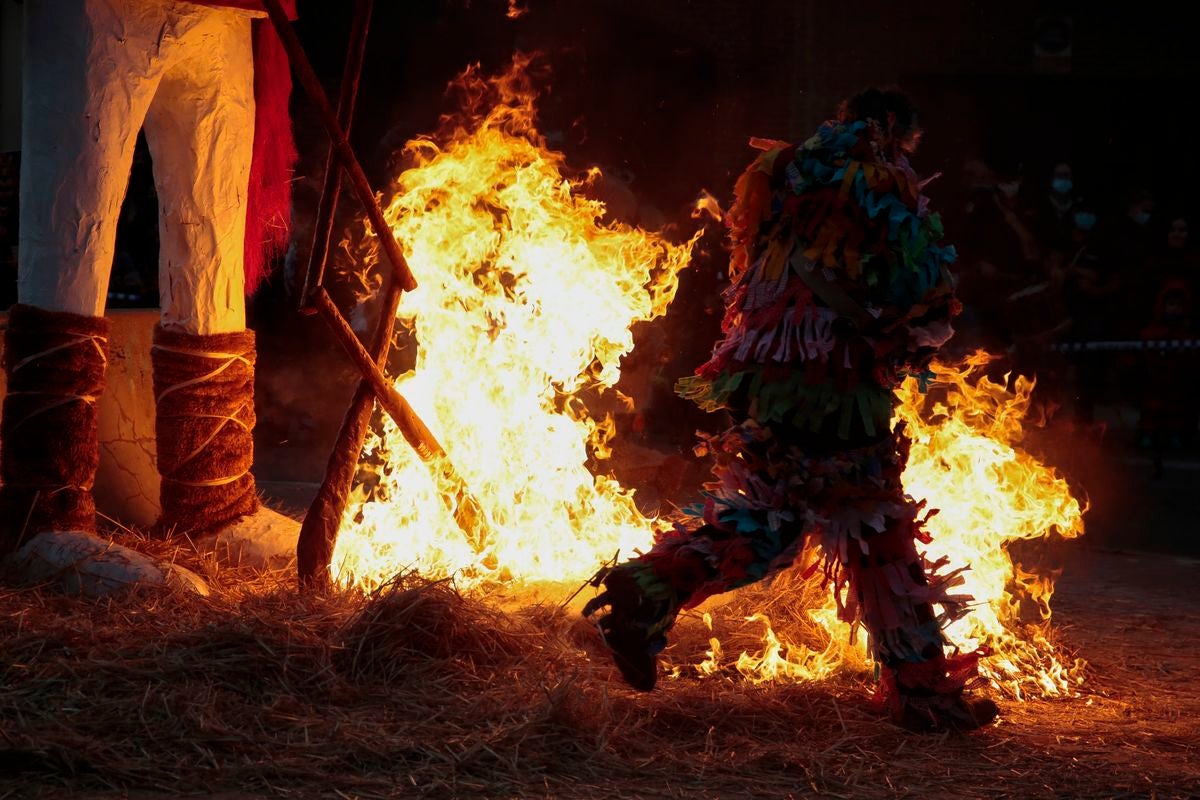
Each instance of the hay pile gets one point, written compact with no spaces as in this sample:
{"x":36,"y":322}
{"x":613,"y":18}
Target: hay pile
{"x":256,"y":691}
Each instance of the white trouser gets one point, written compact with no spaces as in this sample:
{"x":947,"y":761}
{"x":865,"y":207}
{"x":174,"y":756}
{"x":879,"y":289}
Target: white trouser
{"x":94,"y":72}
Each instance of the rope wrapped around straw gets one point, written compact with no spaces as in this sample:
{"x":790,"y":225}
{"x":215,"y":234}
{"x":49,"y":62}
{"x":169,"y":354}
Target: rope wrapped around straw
{"x":204,"y":394}
{"x":56,"y":365}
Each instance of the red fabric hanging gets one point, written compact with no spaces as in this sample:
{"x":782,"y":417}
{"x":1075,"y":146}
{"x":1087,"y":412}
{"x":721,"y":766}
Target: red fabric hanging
{"x":269,"y":198}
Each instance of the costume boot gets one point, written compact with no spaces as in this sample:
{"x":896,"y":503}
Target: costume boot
{"x":204,"y":393}
{"x":893,"y":591}
{"x":931,"y":696}
{"x":633,"y":627}
{"x":56,"y":362}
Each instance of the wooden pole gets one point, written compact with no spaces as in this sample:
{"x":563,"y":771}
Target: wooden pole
{"x":467,"y":511}
{"x":331,"y":187}
{"x":354,"y":173}
{"x":314,"y":555}
{"x":318,"y":532}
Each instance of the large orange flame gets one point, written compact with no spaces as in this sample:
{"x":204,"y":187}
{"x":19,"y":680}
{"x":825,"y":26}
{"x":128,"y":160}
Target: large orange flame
{"x":526,"y":299}
{"x":966,"y":461}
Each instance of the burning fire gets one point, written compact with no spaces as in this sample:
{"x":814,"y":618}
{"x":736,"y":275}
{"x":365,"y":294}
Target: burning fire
{"x":966,"y":461}
{"x":527,"y":298}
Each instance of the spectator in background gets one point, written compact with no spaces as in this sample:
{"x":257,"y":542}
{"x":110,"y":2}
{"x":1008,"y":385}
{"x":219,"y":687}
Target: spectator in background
{"x":1129,"y":244}
{"x":1169,"y":405}
{"x":1091,"y":288}
{"x":1054,"y":216}
{"x":1174,"y":259}
{"x":1037,"y":319}
{"x":1001,"y":256}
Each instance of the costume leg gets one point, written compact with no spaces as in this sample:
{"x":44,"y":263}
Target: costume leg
{"x":56,"y":363}
{"x":768,"y":495}
{"x":90,"y":69}
{"x":751,"y":526}
{"x":204,"y":420}
{"x":201,"y":131}
{"x":646,"y":594}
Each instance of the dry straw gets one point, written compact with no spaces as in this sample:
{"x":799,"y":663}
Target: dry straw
{"x":417,"y":690}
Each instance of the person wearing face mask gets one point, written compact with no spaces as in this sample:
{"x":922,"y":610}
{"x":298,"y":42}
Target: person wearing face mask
{"x":1055,"y":216}
{"x":1091,"y":287}
{"x":1173,"y":259}
{"x":1034,"y":313}
{"x":1002,"y":256}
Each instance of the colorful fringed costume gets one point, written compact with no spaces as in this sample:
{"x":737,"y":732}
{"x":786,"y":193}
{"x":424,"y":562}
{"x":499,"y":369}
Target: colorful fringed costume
{"x":839,"y":290}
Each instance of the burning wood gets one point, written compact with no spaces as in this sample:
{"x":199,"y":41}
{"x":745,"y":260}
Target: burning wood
{"x":320,"y":532}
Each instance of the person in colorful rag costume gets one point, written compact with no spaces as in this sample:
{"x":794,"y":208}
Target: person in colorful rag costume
{"x":839,"y":291}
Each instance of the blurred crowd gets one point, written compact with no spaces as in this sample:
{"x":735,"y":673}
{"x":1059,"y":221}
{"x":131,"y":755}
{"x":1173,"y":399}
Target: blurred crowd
{"x":1043,"y":265}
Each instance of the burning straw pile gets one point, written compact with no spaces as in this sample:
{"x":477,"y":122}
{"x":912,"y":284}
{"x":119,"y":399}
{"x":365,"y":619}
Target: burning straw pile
{"x":420,"y":690}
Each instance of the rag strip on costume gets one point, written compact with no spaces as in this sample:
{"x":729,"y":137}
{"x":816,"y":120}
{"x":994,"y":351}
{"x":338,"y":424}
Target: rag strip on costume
{"x":770,"y":498}
{"x":56,"y":365}
{"x":204,"y":392}
{"x":839,"y":290}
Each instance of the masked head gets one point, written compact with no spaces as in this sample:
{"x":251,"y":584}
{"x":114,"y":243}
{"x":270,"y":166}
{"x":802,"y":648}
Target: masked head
{"x":1084,"y":221}
{"x":890,"y":113}
{"x":1008,"y":184}
{"x":1140,"y":205}
{"x":1175,"y":304}
{"x":1062,"y":179}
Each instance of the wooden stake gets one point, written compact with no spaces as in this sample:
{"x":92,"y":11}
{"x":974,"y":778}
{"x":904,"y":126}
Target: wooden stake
{"x":318,"y":532}
{"x":316,"y":549}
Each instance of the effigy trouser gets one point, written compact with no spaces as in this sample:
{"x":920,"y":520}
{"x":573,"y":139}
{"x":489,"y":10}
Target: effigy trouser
{"x":208,"y":85}
{"x":95,"y":72}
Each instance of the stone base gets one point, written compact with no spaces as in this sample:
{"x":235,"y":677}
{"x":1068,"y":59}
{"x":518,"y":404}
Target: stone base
{"x":82,"y":563}
{"x":265,"y":539}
